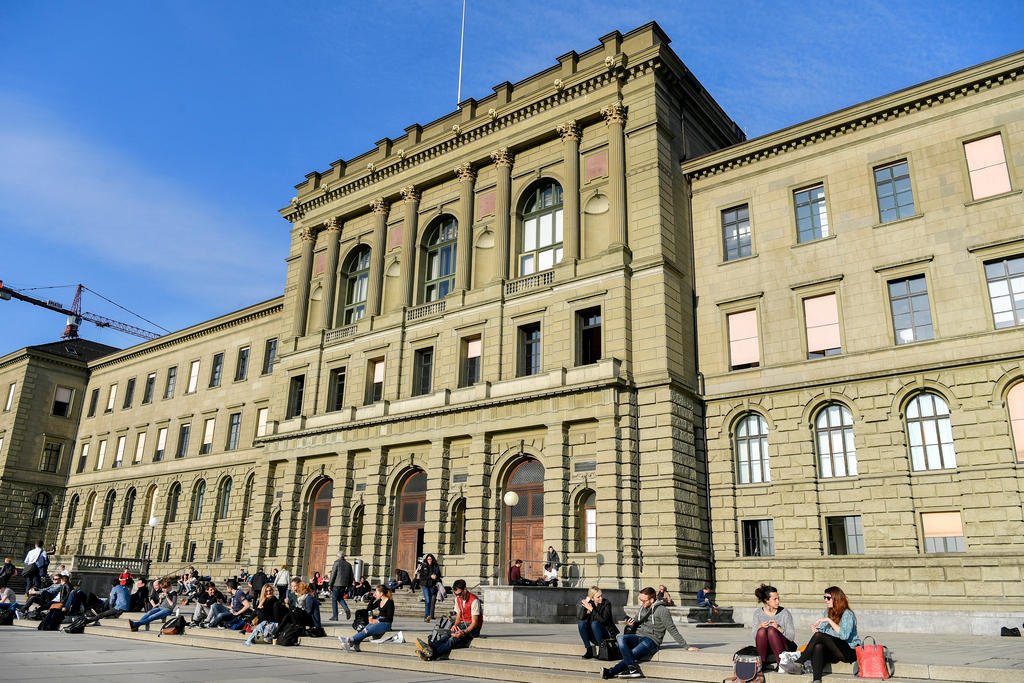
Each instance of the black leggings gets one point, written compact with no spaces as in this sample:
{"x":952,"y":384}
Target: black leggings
{"x":825,"y":648}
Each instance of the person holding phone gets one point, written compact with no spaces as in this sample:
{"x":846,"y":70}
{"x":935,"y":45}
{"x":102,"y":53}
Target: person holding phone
{"x":773,"y":626}
{"x":595,"y":621}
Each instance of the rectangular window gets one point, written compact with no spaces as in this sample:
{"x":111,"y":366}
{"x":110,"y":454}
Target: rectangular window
{"x":986,"y":165}
{"x":1006,"y":290}
{"x":529,"y":350}
{"x":147,"y":391}
{"x":62,"y":402}
{"x":94,"y":398}
{"x":296,"y":386}
{"x":269,"y":354}
{"x":167,"y":552}
{"x":472,"y":348}
{"x":234,"y":427}
{"x":261,"y":422}
{"x":821,"y":315}
{"x":193,"y":377}
{"x":183,"y":434}
{"x":811,"y":214}
{"x":192,"y":551}
{"x":10,"y":396}
{"x":111,"y":396}
{"x":422,"y":371}
{"x":83,"y":457}
{"x":172,"y":378}
{"x":218,"y":551}
{"x":588,"y":326}
{"x":207,"y":444}
{"x":129,"y":394}
{"x":217,"y":369}
{"x":758,"y":537}
{"x":744,"y":350}
{"x":943,"y":532}
{"x":242,"y":365}
{"x":845,"y":535}
{"x":911,"y":313}
{"x":102,"y":453}
{"x":336,"y":389}
{"x":51,"y":457}
{"x":140,"y":447}
{"x":375,"y":381}
{"x":895,"y":196}
{"x":161,"y":444}
{"x":736,"y":232}
{"x":119,"y":453}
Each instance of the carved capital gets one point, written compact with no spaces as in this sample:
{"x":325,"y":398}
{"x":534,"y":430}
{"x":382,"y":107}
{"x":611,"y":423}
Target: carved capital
{"x":332,"y":224}
{"x":379,"y":206}
{"x":502,"y":157}
{"x":615,"y":113}
{"x":308,"y":235}
{"x":410,"y":194}
{"x":465,"y":172}
{"x":570,"y":130}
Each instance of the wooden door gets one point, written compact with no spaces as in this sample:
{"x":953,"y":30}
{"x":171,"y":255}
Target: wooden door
{"x":410,"y":510}
{"x":524,"y":521}
{"x":320,"y":527}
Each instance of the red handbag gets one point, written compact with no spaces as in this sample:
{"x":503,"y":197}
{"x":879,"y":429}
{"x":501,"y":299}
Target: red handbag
{"x":872,"y":661}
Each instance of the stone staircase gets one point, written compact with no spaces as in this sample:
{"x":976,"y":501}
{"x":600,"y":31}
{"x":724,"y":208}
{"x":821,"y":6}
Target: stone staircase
{"x":516,"y":658}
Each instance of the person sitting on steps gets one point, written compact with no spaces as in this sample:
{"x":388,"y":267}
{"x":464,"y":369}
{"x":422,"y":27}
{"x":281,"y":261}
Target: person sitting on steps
{"x":267,"y":609}
{"x":384,"y":606}
{"x":664,"y":596}
{"x":704,"y":600}
{"x":202,"y":615}
{"x":550,"y":576}
{"x":595,"y":621}
{"x":163,"y":600}
{"x":115,"y":605}
{"x":651,"y":623}
{"x":469,"y":620}
{"x":834,"y":636}
{"x":773,"y":626}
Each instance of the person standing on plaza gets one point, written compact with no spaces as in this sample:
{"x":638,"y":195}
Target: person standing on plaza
{"x":281,"y":581}
{"x":430,"y":576}
{"x":552,"y":558}
{"x":35,"y":563}
{"x":340,"y":582}
{"x":651,"y":623}
{"x":257,"y":581}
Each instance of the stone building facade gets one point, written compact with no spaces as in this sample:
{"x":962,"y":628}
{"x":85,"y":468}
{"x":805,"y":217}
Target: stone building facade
{"x":860,"y":280}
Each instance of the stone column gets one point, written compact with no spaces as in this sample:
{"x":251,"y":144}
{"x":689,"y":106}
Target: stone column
{"x":503,"y":210}
{"x":570,"y":132}
{"x":615,"y":119}
{"x":331,"y":273}
{"x":376,"y":284}
{"x":464,"y":247}
{"x":308,"y":237}
{"x":408,"y":265}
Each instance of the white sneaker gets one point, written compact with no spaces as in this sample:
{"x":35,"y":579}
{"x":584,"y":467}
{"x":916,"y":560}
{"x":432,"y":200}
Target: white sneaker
{"x":399,"y":637}
{"x":345,"y":643}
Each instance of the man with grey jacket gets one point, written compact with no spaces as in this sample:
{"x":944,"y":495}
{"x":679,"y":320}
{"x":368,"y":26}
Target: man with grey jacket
{"x":341,"y":580}
{"x":651,"y":623}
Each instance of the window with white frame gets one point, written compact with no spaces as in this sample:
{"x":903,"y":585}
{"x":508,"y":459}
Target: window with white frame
{"x":929,"y":433}
{"x":10,"y":396}
{"x":943,"y":532}
{"x":161,"y":444}
{"x":62,"y":402}
{"x":1005,"y":279}
{"x":261,"y":422}
{"x":208,"y":428}
{"x":193,"y":377}
{"x":821,"y":315}
{"x":986,"y":166}
{"x":750,"y":440}
{"x":140,"y":447}
{"x":102,"y":453}
{"x":234,"y":427}
{"x":833,"y":431}
{"x":111,"y":396}
{"x":541,"y":237}
{"x":1015,"y":406}
{"x":744,"y":349}
{"x":119,"y":452}
{"x":811,"y":213}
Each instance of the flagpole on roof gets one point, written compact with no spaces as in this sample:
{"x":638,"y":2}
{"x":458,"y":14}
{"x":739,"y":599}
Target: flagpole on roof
{"x":462,"y":40}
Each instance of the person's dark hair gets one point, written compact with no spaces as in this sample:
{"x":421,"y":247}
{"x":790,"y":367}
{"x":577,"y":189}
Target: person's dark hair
{"x":384,"y":590}
{"x":547,"y":566}
{"x":210,"y":584}
{"x":649,"y":592}
{"x":764,"y":591}
{"x":232,"y":584}
{"x":459,"y":585}
{"x":518,"y":562}
{"x":39,"y":543}
{"x":433,"y":560}
{"x":839,"y":603}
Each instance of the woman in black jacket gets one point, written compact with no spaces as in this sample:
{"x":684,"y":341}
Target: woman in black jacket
{"x":429,"y":576}
{"x":384,"y":607}
{"x":595,"y":621}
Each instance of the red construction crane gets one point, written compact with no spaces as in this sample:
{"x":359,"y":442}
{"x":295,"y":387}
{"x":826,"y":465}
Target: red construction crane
{"x":75,"y":315}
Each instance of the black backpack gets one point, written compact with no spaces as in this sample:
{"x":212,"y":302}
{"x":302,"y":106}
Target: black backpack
{"x":52,"y":621}
{"x":361,"y":619}
{"x":77,"y":625}
{"x":173,"y":627}
{"x":289,"y":635}
{"x":7,"y":617}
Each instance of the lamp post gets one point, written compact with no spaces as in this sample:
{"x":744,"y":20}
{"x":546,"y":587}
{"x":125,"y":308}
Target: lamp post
{"x":511,"y":499}
{"x":153,"y":522}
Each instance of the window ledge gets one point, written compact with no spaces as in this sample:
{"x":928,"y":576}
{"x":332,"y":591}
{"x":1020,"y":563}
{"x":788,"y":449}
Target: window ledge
{"x":738,"y":260}
{"x":809,"y":242}
{"x":995,"y":197}
{"x":898,"y":221}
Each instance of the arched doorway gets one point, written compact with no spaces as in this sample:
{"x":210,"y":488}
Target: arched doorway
{"x":412,"y":499}
{"x":319,"y":528}
{"x":524,"y":521}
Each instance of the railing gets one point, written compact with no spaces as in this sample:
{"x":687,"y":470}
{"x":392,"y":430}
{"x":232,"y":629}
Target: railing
{"x":529,"y":282}
{"x":433,"y":308}
{"x":340,"y":334}
{"x":136,"y":566}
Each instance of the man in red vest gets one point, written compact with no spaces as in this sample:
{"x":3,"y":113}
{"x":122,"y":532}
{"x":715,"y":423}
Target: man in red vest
{"x":468,"y":622}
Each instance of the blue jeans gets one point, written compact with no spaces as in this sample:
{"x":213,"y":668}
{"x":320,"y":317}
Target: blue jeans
{"x":337,"y":595}
{"x":442,"y":646}
{"x":375,"y":630}
{"x":9,"y":605}
{"x":218,"y":614}
{"x":152,"y":615}
{"x":633,"y":647}
{"x":592,"y":632}
{"x":429,"y":595}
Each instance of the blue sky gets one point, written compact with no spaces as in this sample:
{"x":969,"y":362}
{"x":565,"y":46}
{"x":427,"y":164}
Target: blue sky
{"x":145,"y":147}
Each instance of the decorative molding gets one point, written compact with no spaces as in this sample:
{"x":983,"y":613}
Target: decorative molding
{"x":502,"y":157}
{"x":465,"y":172}
{"x":308,"y":235}
{"x":332,"y":224}
{"x":379,"y":206}
{"x":410,"y":194}
{"x":615,"y":113}
{"x":570,"y":130}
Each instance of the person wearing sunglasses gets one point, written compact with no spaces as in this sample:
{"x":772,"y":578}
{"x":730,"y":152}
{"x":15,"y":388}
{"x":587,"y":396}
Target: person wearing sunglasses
{"x":834,"y":636}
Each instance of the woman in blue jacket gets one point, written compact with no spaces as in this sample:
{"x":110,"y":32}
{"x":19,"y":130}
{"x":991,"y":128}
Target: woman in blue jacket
{"x":834,"y":636}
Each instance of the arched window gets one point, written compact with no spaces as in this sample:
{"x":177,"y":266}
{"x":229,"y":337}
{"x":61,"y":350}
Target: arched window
{"x":275,"y":534}
{"x":357,"y":279}
{"x":73,"y":511}
{"x":439,"y":259}
{"x":586,"y":523}
{"x":108,"y":508}
{"x":128,"y":510}
{"x":90,"y":515}
{"x":833,"y":431}
{"x":929,"y":433}
{"x":541,"y":236}
{"x":41,"y":510}
{"x":150,"y":505}
{"x":357,"y":531}
{"x":459,"y":527}
{"x":224,"y":499}
{"x":197,"y":501}
{"x":751,"y":443}
{"x":173,"y":498}
{"x":247,"y":497}
{"x":1015,"y":404}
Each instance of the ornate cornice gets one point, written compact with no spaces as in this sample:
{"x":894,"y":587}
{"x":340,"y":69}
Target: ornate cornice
{"x":465,"y":172}
{"x":570,"y":130}
{"x":410,"y":194}
{"x":615,"y":113}
{"x":502,"y":157}
{"x":380,"y":207}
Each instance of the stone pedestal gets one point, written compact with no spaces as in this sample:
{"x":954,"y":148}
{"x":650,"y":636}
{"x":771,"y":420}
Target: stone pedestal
{"x":541,"y":604}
